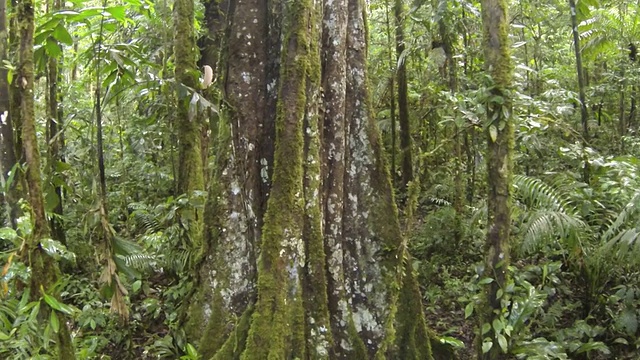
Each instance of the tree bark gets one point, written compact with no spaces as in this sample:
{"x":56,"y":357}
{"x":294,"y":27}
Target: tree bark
{"x":403,"y":105}
{"x":44,"y":270}
{"x":323,"y":271}
{"x":584,"y":116}
{"x":55,"y":139}
{"x":188,"y":121}
{"x":499,"y":135}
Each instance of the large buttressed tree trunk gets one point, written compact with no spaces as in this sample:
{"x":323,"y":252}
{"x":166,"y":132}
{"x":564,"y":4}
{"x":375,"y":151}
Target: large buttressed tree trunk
{"x":499,"y":149}
{"x":321,"y":271}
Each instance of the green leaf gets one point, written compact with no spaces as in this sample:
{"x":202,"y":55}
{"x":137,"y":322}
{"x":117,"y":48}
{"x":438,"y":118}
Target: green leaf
{"x":56,"y":305}
{"x":55,"y":324}
{"x":498,"y":326}
{"x":628,"y":321}
{"x":136,"y":285}
{"x":125,"y":247}
{"x":40,"y":38}
{"x":502,"y":341}
{"x":61,"y":34}
{"x":486,"y":346}
{"x":192,"y":351}
{"x":52,"y":47}
{"x":485,"y":281}
{"x":452,"y":341}
{"x":51,"y":200}
{"x":57,"y":250}
{"x":468,"y":310}
{"x":8,"y":234}
{"x":485,"y":328}
{"x":62,"y":166}
{"x":493,"y":133}
{"x":4,"y":336}
{"x":118,"y":13}
{"x":86,"y":13}
{"x":53,"y":302}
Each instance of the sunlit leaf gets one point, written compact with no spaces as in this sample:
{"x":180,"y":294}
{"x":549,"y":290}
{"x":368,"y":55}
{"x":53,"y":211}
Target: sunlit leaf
{"x":468,"y":310}
{"x":118,"y":12}
{"x":53,"y":320}
{"x":502,"y":341}
{"x":61,"y":34}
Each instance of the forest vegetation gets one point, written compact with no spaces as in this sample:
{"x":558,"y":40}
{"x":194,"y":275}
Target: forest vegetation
{"x":335,"y":179}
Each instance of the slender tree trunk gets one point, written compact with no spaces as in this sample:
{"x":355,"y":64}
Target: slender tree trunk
{"x":403,"y":105}
{"x":622,"y":118}
{"x":44,"y":270}
{"x":633,"y":109}
{"x":499,"y":135}
{"x":452,"y":82}
{"x":392,"y":94}
{"x":56,"y":138}
{"x":14,"y":109}
{"x":322,"y":275}
{"x":7,"y":149}
{"x":584,"y":116}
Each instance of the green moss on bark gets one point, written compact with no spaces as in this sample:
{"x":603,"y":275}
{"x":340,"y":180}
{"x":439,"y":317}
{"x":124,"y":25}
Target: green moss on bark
{"x":189,"y":128}
{"x":44,"y":270}
{"x":279,"y":305}
{"x":235,"y":343}
{"x":412,"y":338}
{"x":499,"y":136}
{"x":318,"y":339}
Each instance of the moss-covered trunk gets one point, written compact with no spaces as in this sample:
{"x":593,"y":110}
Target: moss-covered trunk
{"x":499,"y":135}
{"x":44,"y":270}
{"x":188,"y":122}
{"x":322,"y":272}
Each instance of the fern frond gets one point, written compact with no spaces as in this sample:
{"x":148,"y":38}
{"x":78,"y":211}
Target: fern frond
{"x":184,"y":259}
{"x":140,"y":262}
{"x":146,"y":222}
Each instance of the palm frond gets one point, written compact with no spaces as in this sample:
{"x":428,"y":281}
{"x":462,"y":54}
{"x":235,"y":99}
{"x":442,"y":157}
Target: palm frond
{"x":550,"y":226}
{"x":547,"y":215}
{"x":535,"y":193}
{"x":614,"y":231}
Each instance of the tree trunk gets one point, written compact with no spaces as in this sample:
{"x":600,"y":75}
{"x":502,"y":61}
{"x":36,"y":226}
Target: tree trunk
{"x":44,"y":270}
{"x":584,"y":116}
{"x":499,"y":166}
{"x":55,"y":139}
{"x":7,"y":150}
{"x":403,"y":105}
{"x":189,"y":128}
{"x":322,"y":272}
{"x":392,"y":94}
{"x":458,"y":198}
